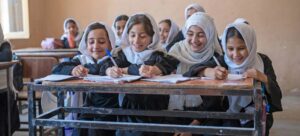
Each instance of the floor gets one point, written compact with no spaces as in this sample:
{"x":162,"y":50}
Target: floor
{"x":287,"y":123}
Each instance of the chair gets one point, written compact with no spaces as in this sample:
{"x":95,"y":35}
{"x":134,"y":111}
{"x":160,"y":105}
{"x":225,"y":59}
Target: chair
{"x":33,"y":68}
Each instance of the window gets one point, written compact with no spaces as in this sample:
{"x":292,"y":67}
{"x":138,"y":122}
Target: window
{"x":14,"y":18}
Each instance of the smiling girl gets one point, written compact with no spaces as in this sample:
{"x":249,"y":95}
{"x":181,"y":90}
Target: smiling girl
{"x":239,"y":42}
{"x":139,"y":55}
{"x":97,"y":37}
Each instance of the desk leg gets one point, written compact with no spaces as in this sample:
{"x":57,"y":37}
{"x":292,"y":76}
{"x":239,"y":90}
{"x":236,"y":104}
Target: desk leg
{"x":60,"y":103}
{"x":31,"y":111}
{"x":8,"y":103}
{"x":258,"y":111}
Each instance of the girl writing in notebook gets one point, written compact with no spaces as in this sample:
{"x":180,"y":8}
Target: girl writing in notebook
{"x":198,"y":47}
{"x":139,"y":55}
{"x":97,"y":37}
{"x":167,"y":31}
{"x":239,"y":44}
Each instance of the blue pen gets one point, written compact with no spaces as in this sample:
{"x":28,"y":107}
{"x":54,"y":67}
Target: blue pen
{"x":111,"y":58}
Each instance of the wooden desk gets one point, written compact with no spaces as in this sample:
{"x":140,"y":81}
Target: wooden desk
{"x":4,"y":67}
{"x":38,"y":62}
{"x":196,"y":87}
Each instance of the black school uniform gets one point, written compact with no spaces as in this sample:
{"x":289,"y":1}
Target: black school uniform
{"x":166,"y":64}
{"x":100,"y":100}
{"x":273,"y":92}
{"x":6,"y":55}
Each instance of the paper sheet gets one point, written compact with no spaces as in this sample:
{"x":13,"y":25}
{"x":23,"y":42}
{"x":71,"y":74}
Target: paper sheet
{"x":173,"y":78}
{"x":124,"y":78}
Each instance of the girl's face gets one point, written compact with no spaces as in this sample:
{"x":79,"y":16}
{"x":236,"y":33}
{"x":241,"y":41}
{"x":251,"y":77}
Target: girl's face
{"x":138,"y":38}
{"x":164,"y":30}
{"x":97,"y":42}
{"x":190,"y":12}
{"x":120,"y":25}
{"x":72,"y":28}
{"x":237,"y":50}
{"x":196,"y":38}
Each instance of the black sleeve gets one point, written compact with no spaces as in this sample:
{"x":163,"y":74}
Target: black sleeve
{"x":273,"y":90}
{"x":177,"y":38}
{"x":65,"y":68}
{"x":120,"y":60}
{"x":5,"y":52}
{"x":166,"y":63}
{"x":195,"y":69}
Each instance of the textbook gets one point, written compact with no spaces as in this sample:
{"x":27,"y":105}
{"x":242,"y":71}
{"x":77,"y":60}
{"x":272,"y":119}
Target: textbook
{"x":173,"y":78}
{"x":124,"y":78}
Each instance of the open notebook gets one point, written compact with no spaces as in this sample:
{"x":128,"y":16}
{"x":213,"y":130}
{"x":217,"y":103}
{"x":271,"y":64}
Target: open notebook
{"x":124,"y":78}
{"x":173,"y":78}
{"x":229,"y":77}
{"x":55,"y":78}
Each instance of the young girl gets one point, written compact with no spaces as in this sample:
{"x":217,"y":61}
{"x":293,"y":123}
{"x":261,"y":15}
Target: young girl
{"x":167,"y":30}
{"x":71,"y":36}
{"x":118,"y":27}
{"x":239,"y":42}
{"x":139,"y":55}
{"x":97,"y":37}
{"x":189,"y":10}
{"x":198,"y":47}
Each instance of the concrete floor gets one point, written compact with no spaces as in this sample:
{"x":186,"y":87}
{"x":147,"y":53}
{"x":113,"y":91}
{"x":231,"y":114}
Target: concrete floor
{"x":286,"y":123}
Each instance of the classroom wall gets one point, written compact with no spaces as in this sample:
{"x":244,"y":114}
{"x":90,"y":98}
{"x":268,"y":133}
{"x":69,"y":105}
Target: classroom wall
{"x":276,"y":23}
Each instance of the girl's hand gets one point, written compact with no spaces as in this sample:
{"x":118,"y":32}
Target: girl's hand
{"x":80,"y":71}
{"x":254,"y":73}
{"x":114,"y":72}
{"x":149,"y":71}
{"x":217,"y":73}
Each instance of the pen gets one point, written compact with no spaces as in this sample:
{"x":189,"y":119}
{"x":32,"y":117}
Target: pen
{"x":111,"y":58}
{"x":218,"y":63}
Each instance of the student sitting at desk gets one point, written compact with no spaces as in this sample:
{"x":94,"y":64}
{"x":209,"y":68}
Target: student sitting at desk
{"x":97,"y":37}
{"x":198,"y":47}
{"x":70,"y":38}
{"x":118,"y":28}
{"x":6,"y":55}
{"x":239,"y":42}
{"x":139,"y":55}
{"x":168,"y":29}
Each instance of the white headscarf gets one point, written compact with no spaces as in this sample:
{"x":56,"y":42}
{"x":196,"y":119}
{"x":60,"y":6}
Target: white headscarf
{"x":252,"y":61}
{"x":139,"y":57}
{"x":182,"y":51}
{"x":195,"y":6}
{"x":65,"y":35}
{"x":172,"y":33}
{"x":113,"y":28}
{"x":241,"y":20}
{"x":86,"y":56}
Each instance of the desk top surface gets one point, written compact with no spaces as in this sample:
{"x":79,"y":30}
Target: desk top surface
{"x":189,"y":87}
{"x":39,"y":52}
{"x":7,"y":64}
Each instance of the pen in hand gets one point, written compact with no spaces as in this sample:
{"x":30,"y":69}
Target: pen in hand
{"x":117,"y":71}
{"x":111,"y":58}
{"x":216,"y":60}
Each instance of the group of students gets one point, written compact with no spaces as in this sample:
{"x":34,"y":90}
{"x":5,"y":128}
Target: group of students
{"x":140,"y":46}
{"x":143,"y":47}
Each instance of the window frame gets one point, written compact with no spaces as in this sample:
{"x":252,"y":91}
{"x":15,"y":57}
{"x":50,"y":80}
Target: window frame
{"x":4,"y":19}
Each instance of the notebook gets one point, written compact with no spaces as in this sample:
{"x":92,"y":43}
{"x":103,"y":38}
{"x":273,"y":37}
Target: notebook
{"x":173,"y":78}
{"x":229,"y":77}
{"x":55,"y":78}
{"x":124,"y":78}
